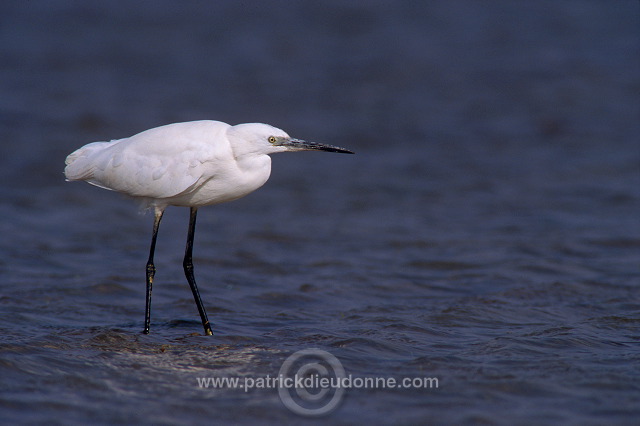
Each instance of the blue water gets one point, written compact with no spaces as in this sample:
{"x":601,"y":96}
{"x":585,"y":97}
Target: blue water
{"x":486,"y":233}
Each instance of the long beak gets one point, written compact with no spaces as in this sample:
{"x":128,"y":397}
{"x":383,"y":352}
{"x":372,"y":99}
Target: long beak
{"x":300,"y":145}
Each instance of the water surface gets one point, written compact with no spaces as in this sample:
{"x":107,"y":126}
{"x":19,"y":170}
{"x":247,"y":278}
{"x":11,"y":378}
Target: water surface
{"x":486,"y":232}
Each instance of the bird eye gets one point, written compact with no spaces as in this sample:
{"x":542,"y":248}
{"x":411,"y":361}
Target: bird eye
{"x":272,"y":139}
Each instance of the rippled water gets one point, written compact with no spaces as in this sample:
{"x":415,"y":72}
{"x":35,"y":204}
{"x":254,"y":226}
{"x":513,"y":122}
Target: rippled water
{"x":486,"y":233}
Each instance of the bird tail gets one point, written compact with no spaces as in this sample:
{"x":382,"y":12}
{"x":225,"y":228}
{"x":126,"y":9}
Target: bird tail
{"x":80,"y":164}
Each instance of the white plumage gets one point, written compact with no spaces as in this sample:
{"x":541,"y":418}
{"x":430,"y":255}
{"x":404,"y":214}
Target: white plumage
{"x":191,"y":164}
{"x":185,"y":164}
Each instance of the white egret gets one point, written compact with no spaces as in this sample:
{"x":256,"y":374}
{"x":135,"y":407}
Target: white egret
{"x":191,"y":164}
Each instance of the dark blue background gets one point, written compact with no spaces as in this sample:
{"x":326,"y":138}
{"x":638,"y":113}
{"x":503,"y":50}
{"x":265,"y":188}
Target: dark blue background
{"x":486,"y":233}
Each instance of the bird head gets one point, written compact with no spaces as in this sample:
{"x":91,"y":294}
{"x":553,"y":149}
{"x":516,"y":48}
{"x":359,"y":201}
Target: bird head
{"x":266,"y":139}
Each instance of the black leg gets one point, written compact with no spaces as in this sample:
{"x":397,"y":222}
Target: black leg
{"x":188,"y":271}
{"x":151,"y":269}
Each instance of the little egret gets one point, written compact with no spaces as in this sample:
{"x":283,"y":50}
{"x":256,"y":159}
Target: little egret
{"x":191,"y":164}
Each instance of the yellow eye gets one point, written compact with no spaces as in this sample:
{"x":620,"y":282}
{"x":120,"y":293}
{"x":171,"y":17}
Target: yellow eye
{"x":272,"y":139}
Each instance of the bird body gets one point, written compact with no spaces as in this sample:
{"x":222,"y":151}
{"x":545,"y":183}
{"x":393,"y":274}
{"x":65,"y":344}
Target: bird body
{"x":190,"y":164}
{"x":183,"y":164}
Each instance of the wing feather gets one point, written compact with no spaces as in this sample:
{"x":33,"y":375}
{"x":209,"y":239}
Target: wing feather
{"x":158,"y":163}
